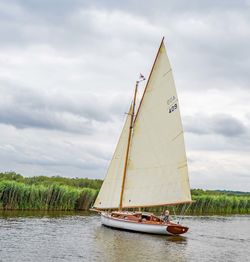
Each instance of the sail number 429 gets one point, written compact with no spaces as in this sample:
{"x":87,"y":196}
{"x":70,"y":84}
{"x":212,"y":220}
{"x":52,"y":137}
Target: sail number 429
{"x":172,"y":108}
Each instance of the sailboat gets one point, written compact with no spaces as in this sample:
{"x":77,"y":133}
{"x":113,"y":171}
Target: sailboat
{"x":149,"y":165}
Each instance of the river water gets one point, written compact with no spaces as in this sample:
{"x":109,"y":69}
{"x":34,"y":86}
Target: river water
{"x":80,"y":237}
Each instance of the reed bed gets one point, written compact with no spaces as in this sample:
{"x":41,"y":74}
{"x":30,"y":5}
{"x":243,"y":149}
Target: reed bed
{"x":210,"y":204}
{"x":59,"y":193}
{"x":16,"y":195}
{"x":225,"y":204}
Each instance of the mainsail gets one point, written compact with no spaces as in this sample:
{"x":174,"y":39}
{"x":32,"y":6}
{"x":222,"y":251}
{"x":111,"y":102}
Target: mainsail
{"x":157,"y":171}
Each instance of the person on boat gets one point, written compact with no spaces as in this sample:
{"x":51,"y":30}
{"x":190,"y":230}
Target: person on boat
{"x":165,"y":216}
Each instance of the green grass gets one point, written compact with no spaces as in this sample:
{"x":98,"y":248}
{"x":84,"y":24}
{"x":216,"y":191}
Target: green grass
{"x":46,"y":181}
{"x":16,"y":195}
{"x":59,"y":193}
{"x":212,"y":202}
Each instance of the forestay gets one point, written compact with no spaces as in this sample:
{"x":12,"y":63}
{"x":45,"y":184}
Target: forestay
{"x":157,"y":171}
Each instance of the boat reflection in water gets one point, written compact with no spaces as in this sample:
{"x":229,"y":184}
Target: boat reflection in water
{"x":118,"y":245}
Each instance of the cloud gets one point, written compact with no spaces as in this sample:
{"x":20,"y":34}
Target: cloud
{"x":53,"y":153}
{"x":219,"y":133}
{"x":220,"y":124}
{"x":207,"y":169}
{"x":25,"y":107}
{"x":67,"y":73}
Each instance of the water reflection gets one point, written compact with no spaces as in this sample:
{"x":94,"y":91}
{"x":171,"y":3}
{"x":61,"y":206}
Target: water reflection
{"x":42,"y":213}
{"x":115,"y":244}
{"x":177,"y":239}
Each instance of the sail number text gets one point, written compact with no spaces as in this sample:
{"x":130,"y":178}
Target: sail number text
{"x":172,"y":104}
{"x":172,"y":108}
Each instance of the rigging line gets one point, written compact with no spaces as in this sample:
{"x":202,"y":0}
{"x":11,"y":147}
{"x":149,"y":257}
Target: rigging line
{"x":187,"y":209}
{"x":175,"y":217}
{"x":182,"y":211}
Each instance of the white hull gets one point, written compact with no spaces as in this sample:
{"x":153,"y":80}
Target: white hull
{"x":108,"y":221}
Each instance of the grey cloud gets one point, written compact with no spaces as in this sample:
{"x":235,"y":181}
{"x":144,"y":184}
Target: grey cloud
{"x":66,"y":162}
{"x":220,"y":124}
{"x":228,"y":126}
{"x":209,"y":42}
{"x":81,"y":164}
{"x":63,"y":6}
{"x":24,"y":118}
{"x":29,"y":108}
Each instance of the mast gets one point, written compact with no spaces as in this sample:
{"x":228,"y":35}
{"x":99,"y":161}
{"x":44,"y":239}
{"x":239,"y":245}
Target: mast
{"x":128,"y":145}
{"x":133,"y":118}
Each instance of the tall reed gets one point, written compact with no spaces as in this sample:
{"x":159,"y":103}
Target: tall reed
{"x":211,"y":204}
{"x":15,"y":195}
{"x":59,"y":193}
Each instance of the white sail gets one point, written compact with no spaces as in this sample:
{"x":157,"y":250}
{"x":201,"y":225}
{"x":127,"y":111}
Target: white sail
{"x":157,"y":168}
{"x":109,"y":195}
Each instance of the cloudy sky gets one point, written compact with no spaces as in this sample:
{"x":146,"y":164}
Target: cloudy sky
{"x":67,"y":73}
